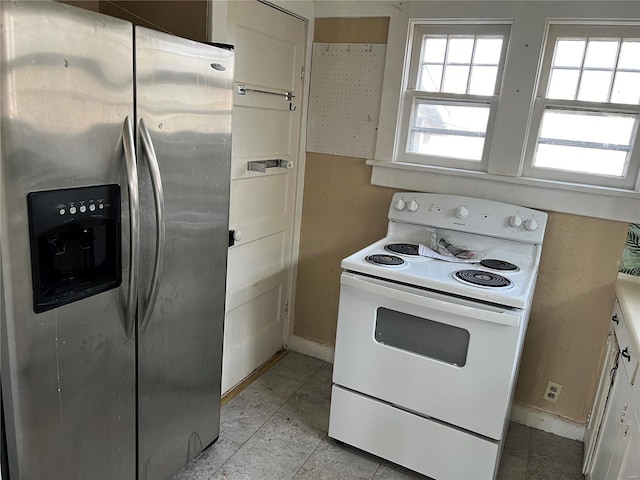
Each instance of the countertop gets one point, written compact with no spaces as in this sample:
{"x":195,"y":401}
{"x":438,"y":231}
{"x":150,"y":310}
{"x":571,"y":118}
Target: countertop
{"x":628,"y":293}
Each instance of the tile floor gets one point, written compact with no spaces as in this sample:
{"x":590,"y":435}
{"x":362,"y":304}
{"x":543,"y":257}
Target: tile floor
{"x":276,"y":429}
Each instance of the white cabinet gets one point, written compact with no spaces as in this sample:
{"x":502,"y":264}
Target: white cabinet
{"x":617,"y":450}
{"x":630,"y":467}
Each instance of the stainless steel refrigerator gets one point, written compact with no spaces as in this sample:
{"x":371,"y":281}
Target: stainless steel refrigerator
{"x":114,"y":182}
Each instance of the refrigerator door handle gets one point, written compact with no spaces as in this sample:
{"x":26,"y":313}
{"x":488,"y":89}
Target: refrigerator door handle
{"x":148,"y":151}
{"x":128,"y":145}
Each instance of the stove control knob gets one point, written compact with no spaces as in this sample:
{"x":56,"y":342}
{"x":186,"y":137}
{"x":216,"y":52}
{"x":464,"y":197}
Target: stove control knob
{"x":399,"y":205}
{"x":531,"y":224}
{"x":515,"y":221}
{"x":462,"y":211}
{"x":413,"y":206}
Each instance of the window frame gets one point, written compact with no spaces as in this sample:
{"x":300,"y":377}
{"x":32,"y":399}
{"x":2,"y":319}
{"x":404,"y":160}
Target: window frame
{"x":555,"y":30}
{"x":411,"y":97}
{"x":504,"y":180}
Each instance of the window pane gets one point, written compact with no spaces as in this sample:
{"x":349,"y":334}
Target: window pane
{"x":445,"y":64}
{"x":630,"y":55}
{"x":594,"y":86}
{"x":430,"y":77}
{"x":447,"y":146}
{"x":488,"y":51}
{"x":433,"y":49}
{"x":581,"y":160}
{"x":449,"y":130}
{"x":587,"y":142}
{"x":569,"y":52}
{"x":455,"y":79}
{"x":460,"y":49}
{"x":563,"y":84}
{"x":483,"y":80}
{"x":580,"y":126}
{"x":626,"y":88}
{"x":601,"y":66}
{"x":601,"y":54}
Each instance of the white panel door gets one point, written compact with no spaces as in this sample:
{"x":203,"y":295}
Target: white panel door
{"x":270,"y":46}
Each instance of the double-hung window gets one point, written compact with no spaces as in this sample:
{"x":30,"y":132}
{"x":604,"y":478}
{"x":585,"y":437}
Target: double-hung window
{"x":451,"y":94}
{"x":585,"y":121}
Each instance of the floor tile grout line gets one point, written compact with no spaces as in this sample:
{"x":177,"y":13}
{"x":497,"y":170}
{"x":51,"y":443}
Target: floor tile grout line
{"x":282,"y":406}
{"x":307,"y":459}
{"x":377,"y":469}
{"x":272,"y":415}
{"x":259,"y":428}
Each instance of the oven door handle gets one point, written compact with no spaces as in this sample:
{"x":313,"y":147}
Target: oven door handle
{"x":425,"y":299}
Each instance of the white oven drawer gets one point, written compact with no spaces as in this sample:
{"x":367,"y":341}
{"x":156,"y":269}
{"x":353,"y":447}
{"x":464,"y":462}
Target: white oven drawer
{"x":448,"y":358}
{"x":415,"y":442}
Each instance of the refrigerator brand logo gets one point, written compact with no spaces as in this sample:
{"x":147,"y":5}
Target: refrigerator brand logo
{"x":219,"y":67}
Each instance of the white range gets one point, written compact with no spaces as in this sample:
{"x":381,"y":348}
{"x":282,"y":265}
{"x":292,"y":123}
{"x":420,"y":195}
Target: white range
{"x":427,"y":350}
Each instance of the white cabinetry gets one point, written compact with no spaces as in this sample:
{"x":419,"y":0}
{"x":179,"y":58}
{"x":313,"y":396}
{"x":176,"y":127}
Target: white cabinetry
{"x":617,"y":444}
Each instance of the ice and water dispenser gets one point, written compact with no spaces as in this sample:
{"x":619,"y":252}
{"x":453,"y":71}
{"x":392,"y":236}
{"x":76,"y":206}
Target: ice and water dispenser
{"x":75,"y":244}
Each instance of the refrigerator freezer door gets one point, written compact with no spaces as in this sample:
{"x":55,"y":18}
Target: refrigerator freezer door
{"x":68,"y":374}
{"x":185,"y":104}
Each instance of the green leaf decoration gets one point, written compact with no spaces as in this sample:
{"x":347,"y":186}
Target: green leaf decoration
{"x":633,"y":238}
{"x":630,"y":263}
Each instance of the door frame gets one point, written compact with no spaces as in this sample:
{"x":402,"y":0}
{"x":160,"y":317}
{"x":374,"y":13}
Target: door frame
{"x":303,"y":10}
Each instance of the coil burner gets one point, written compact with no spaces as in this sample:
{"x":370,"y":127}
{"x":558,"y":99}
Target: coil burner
{"x":402,"y":248}
{"x":385,"y":260}
{"x":481,"y":278}
{"x":501,"y":265}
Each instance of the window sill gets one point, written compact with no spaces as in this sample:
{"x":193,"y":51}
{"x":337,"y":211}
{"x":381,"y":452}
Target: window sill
{"x":591,"y":201}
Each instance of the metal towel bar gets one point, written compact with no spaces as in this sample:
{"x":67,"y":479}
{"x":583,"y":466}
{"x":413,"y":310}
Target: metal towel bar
{"x":262,"y":165}
{"x":242,"y":90}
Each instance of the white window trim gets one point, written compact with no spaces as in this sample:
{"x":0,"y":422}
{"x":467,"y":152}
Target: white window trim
{"x":417,"y":28}
{"x":559,"y":29}
{"x":503,"y":181}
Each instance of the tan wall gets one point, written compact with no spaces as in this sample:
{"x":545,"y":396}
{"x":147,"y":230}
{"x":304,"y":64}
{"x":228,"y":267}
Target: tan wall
{"x":184,"y":18}
{"x":342,"y":213}
{"x":571,"y":312}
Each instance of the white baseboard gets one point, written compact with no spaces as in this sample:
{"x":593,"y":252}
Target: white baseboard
{"x":313,"y":349}
{"x":548,"y":422}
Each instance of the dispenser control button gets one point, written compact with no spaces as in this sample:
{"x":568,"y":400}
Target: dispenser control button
{"x":412,"y":206}
{"x":83,"y":208}
{"x":101,"y":206}
{"x":72,"y":210}
{"x":62,"y":211}
{"x":399,"y":205}
{"x":92,"y":207}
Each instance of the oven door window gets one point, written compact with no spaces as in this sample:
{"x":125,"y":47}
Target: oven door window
{"x":422,"y":336}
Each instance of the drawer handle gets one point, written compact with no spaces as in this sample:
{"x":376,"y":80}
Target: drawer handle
{"x":615,"y":319}
{"x":625,"y":353}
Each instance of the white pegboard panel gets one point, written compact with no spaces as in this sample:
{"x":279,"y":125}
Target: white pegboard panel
{"x":344,"y":102}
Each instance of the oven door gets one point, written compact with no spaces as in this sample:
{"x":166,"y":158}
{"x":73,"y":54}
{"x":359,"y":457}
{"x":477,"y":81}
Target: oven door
{"x":447,"y":358}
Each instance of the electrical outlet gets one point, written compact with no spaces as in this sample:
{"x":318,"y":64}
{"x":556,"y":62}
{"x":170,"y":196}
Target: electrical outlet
{"x":552,"y":392}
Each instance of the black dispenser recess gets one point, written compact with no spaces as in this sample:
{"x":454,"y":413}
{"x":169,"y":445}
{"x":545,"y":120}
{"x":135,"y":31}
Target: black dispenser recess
{"x":75,"y":244}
